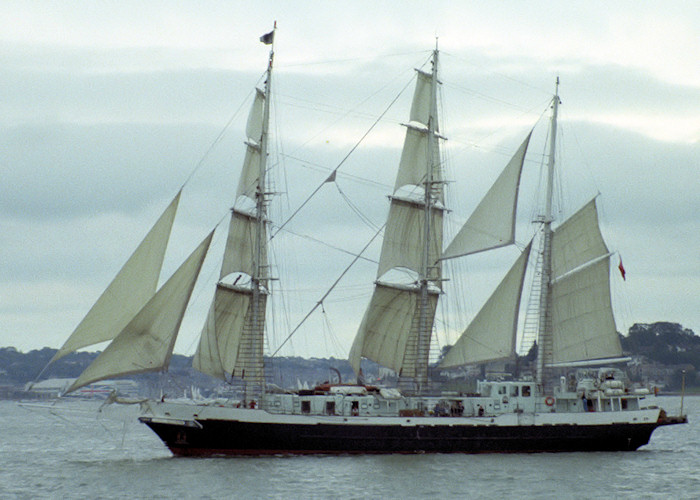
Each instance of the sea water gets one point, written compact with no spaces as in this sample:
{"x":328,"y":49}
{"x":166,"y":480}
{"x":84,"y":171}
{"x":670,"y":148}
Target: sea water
{"x":74,"y":450}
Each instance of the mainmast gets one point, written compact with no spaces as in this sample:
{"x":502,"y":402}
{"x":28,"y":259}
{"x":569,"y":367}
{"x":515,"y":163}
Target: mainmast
{"x":425,"y":318}
{"x":544,"y":338}
{"x":398,"y":322}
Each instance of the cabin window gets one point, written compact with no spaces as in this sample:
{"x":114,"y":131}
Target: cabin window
{"x":514,"y":391}
{"x":526,"y":391}
{"x":502,"y":389}
{"x":330,"y":407}
{"x":355,"y":409}
{"x":306,"y":407}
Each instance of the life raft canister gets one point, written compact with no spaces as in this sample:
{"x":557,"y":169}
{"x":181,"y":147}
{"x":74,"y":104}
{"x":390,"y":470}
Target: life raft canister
{"x":549,"y":401}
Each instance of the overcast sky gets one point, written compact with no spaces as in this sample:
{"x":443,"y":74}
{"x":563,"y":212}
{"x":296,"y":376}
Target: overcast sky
{"x":106,"y":108}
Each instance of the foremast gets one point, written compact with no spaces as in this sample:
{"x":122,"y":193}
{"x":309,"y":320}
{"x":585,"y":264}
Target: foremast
{"x":260,"y":278}
{"x":232,"y":341}
{"x":544,"y":337}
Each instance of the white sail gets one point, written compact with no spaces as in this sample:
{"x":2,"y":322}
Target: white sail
{"x":240,"y":246}
{"x":387,"y":327}
{"x":420,"y":107}
{"x":221,"y":350}
{"x":403,"y":237}
{"x":577,"y":240}
{"x":414,"y":156}
{"x":254,"y":127}
{"x":491,"y":335}
{"x":395,"y":331}
{"x":132,"y":287}
{"x":492,"y":224}
{"x":231,"y":339}
{"x":250,"y":174}
{"x":146,"y":343}
{"x":583,"y":326}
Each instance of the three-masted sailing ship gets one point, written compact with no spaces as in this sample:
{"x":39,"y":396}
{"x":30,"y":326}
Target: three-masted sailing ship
{"x":575,"y":324}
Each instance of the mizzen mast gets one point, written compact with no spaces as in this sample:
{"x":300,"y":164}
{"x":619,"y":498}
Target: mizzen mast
{"x":544,"y":337}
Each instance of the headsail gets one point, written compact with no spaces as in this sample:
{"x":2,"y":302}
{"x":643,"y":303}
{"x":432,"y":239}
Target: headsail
{"x":491,"y":335}
{"x":146,"y":343}
{"x":131,"y":288}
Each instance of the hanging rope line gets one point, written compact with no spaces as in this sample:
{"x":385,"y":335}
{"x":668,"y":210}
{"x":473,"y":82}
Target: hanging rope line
{"x":355,"y":209}
{"x":333,"y":247}
{"x":217,"y":140}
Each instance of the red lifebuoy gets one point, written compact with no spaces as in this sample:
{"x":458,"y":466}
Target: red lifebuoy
{"x":549,"y":401}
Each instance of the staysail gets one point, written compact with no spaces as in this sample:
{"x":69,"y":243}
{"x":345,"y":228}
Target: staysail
{"x":491,"y":335}
{"x":146,"y":343}
{"x":492,"y":224}
{"x":132,"y":287}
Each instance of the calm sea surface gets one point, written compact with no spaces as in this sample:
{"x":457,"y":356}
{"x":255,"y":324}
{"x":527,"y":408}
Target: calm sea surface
{"x":76,"y":452}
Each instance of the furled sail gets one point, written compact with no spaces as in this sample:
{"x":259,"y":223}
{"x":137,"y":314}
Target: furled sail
{"x":491,"y":335}
{"x":583,"y":326}
{"x":131,"y":288}
{"x":492,"y":224}
{"x":146,"y":343}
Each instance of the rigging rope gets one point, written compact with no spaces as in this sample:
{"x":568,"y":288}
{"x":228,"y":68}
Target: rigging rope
{"x":320,"y":302}
{"x":331,"y":178}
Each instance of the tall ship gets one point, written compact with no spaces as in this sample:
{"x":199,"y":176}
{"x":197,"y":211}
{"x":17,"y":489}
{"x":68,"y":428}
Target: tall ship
{"x":574,"y":324}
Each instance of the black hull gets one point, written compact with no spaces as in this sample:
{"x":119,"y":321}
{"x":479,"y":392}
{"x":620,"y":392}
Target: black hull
{"x":223,"y":437}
